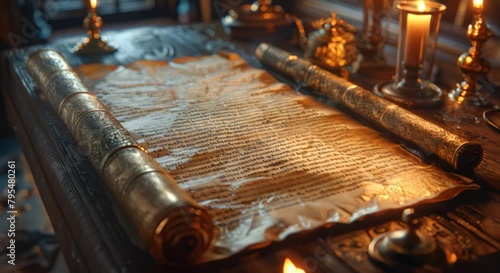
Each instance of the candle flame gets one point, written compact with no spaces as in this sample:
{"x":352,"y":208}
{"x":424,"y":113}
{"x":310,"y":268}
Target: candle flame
{"x":421,"y":6}
{"x":93,"y":4}
{"x":289,"y":267}
{"x":477,"y":3}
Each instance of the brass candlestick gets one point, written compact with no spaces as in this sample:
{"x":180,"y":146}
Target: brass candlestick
{"x":410,"y":249}
{"x":93,"y":45}
{"x":472,"y":64}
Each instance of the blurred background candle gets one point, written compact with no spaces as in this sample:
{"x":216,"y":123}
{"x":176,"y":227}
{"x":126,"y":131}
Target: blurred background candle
{"x":289,"y":267}
{"x":478,"y":4}
{"x":473,"y":65}
{"x":417,"y":33}
{"x":94,"y":44}
{"x":93,"y":5}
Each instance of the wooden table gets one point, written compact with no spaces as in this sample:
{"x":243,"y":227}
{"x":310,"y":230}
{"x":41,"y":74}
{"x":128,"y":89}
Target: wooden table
{"x":91,"y":229}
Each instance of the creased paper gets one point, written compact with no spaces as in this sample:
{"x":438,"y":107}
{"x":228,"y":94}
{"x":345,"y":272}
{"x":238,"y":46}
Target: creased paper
{"x":265,"y":160}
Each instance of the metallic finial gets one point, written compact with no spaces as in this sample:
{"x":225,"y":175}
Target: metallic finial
{"x":94,"y":44}
{"x":408,"y":248}
{"x":472,"y":64}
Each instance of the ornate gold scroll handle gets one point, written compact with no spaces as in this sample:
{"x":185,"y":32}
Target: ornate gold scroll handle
{"x":174,"y":228}
{"x":458,"y":152}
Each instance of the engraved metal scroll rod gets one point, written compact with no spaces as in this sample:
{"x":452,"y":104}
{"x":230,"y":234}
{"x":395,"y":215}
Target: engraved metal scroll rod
{"x":174,"y":228}
{"x":457,"y":151}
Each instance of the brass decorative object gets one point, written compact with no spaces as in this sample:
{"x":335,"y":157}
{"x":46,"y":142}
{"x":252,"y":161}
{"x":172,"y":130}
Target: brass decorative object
{"x":259,"y":21}
{"x":332,"y":46}
{"x":94,"y":44}
{"x":370,"y":39}
{"x":472,"y":64}
{"x":418,"y":28}
{"x":402,"y":250}
{"x":174,"y":228}
{"x":492,"y":118}
{"x":458,"y":152}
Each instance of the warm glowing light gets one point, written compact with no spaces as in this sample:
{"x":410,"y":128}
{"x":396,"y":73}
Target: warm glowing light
{"x":452,"y":259}
{"x":417,"y":33}
{"x":421,"y":6}
{"x":478,"y":4}
{"x":93,"y":4}
{"x":289,"y":267}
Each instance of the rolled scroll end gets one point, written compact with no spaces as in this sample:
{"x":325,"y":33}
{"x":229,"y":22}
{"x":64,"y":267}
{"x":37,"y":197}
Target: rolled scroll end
{"x":283,"y":62}
{"x":43,"y":63}
{"x":182,"y":236}
{"x":275,"y":57}
{"x":174,"y":228}
{"x":261,"y":50}
{"x":271,"y":56}
{"x":54,"y":76}
{"x":468,"y":156}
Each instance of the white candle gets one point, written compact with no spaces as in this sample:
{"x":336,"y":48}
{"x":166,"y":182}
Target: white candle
{"x":417,"y":32}
{"x":289,"y":267}
{"x":93,"y":4}
{"x":478,"y":4}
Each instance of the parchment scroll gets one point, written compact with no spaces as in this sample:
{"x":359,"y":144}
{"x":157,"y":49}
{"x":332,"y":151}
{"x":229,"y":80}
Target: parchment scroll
{"x":264,"y":160}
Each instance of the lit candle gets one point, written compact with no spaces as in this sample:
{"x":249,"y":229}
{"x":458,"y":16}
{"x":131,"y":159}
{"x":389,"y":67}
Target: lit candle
{"x":289,"y":267}
{"x":478,"y":4}
{"x":417,"y":32}
{"x":93,"y":4}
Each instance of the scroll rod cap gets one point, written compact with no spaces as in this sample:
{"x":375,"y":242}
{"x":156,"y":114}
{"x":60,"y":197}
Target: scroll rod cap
{"x":403,"y":250}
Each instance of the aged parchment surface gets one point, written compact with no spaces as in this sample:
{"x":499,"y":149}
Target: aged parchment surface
{"x":265,"y":160}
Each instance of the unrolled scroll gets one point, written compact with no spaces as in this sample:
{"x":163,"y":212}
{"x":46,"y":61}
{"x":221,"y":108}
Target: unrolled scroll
{"x":266,"y":162}
{"x":171,"y":224}
{"x":453,"y":149}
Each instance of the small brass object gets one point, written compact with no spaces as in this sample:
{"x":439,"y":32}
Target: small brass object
{"x":259,"y":21}
{"x":94,"y":44}
{"x":331,"y":46}
{"x":472,"y":64}
{"x":403,"y":250}
{"x":492,"y":117}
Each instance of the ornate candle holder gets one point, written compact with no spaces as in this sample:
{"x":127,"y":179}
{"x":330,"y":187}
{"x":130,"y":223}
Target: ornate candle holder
{"x":370,"y":40}
{"x":418,"y":29}
{"x":93,"y":45}
{"x":472,"y":64}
